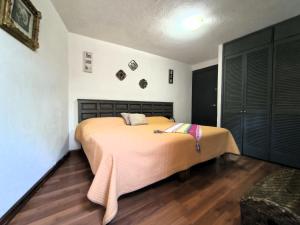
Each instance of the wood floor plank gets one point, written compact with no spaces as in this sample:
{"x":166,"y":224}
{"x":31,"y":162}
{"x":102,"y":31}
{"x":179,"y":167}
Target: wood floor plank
{"x":50,"y":209}
{"x":210,"y":197}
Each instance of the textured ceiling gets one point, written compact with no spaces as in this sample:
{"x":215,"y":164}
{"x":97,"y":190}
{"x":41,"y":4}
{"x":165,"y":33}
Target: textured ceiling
{"x":153,"y":25}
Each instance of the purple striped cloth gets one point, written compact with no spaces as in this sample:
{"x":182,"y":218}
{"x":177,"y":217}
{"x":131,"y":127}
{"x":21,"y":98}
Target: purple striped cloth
{"x":186,"y":128}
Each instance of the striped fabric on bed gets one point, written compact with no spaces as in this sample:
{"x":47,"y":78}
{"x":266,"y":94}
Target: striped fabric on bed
{"x":186,"y":128}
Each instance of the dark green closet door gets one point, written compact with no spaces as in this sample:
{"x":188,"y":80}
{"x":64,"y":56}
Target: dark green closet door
{"x":285,"y":147}
{"x":257,"y":102}
{"x":233,"y":97}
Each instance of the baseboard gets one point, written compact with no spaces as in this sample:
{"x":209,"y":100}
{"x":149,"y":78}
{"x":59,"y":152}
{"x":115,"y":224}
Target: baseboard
{"x":10,"y":214}
{"x":74,"y":150}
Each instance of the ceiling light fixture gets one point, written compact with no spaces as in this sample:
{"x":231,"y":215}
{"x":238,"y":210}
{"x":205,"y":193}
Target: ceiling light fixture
{"x":187,"y":22}
{"x":192,"y":23}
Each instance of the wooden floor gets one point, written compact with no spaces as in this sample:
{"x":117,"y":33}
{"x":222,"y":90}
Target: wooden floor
{"x":210,"y":197}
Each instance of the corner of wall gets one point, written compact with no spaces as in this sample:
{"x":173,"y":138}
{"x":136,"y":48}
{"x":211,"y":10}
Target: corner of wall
{"x":220,"y":76}
{"x":205,"y":64}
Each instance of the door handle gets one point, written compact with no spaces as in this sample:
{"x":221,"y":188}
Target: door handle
{"x":213,"y":105}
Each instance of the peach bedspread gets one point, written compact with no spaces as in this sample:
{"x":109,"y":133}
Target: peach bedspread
{"x":127,"y":158}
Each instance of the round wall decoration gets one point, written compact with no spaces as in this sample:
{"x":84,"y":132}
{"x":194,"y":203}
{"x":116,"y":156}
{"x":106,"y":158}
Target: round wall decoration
{"x":143,"y":83}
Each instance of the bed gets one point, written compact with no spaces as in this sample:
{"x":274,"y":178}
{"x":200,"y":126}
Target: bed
{"x":127,"y":158}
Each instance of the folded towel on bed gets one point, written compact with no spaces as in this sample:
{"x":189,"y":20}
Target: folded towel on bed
{"x":185,"y":128}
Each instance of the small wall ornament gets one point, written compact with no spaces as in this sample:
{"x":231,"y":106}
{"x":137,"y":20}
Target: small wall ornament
{"x":121,"y":75}
{"x":87,"y":62}
{"x":171,"y":76}
{"x":22,"y":20}
{"x":133,"y":65}
{"x":143,"y":83}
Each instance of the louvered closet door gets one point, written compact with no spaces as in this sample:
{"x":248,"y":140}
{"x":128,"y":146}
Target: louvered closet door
{"x":233,"y":97}
{"x":285,"y":146}
{"x":257,"y":102}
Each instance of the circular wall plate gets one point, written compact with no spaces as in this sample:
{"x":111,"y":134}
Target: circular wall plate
{"x":143,"y":83}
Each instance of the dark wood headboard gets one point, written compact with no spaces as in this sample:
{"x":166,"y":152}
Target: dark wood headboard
{"x":88,"y":108}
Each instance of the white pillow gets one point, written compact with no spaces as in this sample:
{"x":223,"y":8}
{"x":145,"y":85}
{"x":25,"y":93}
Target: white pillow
{"x":137,"y":119}
{"x":126,"y":118}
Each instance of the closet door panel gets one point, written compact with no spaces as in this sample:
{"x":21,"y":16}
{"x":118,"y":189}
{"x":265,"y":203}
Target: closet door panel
{"x":287,"y":76}
{"x":233,"y":122}
{"x":233,"y":84}
{"x":286,"y":139}
{"x":233,"y":97}
{"x":257,"y":102}
{"x":287,"y":28}
{"x":248,"y":42}
{"x":256,"y":135}
{"x":285,"y":146}
{"x":259,"y":80}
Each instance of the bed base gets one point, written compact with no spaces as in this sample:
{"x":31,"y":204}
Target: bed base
{"x":184,"y":175}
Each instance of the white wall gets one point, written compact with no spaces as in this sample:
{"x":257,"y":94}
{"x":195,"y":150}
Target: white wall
{"x":220,"y":77}
{"x":103,"y":84}
{"x":205,"y":64}
{"x":33,"y":112}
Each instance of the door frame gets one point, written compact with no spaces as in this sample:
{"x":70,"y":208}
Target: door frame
{"x":205,"y":69}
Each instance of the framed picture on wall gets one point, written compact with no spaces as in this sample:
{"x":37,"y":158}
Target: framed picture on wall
{"x":171,"y":76}
{"x":88,"y":62}
{"x":22,"y":20}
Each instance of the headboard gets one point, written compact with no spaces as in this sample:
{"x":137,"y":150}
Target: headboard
{"x":88,"y":108}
